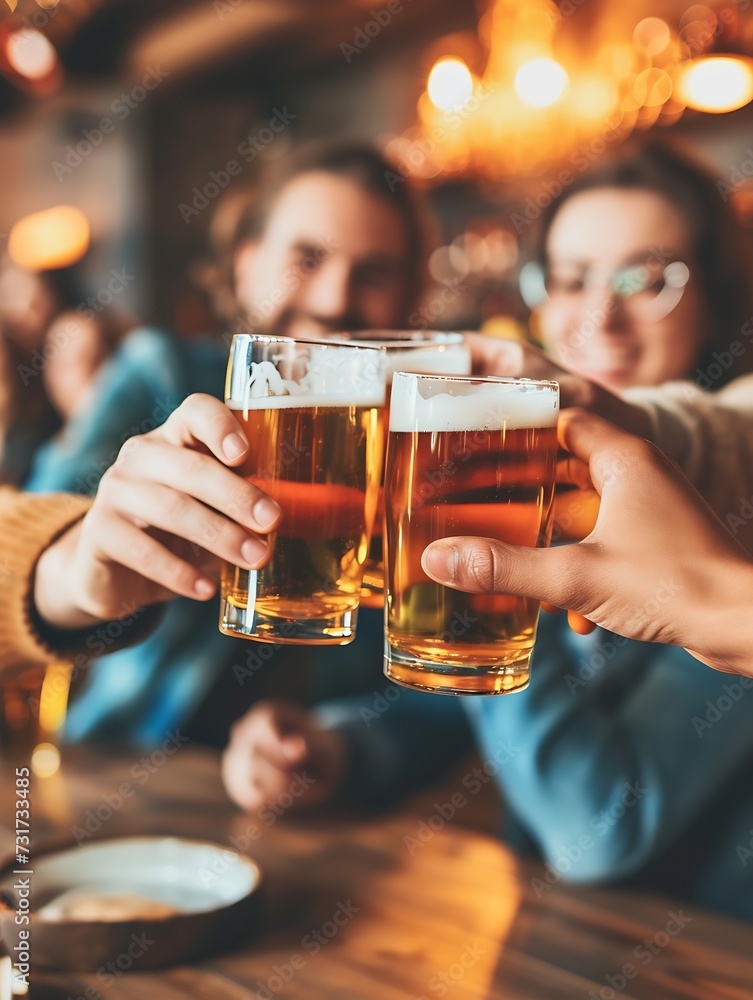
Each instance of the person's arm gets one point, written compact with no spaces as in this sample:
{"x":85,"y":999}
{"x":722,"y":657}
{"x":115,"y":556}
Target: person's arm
{"x":658,"y":566}
{"x":606,"y":772}
{"x":168,"y":506}
{"x":710,"y":437}
{"x":29,"y":525}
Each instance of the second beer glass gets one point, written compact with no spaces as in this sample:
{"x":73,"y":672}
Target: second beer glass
{"x":312,"y":415}
{"x":465,"y":457}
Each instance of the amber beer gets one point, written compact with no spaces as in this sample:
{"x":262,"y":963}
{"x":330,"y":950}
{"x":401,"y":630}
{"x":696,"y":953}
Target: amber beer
{"x":428,"y":352}
{"x":316,"y":448}
{"x":465,"y":457}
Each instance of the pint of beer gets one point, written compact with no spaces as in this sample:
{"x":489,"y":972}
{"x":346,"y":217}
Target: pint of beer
{"x":430,"y":352}
{"x":466,"y":456}
{"x":312,"y":414}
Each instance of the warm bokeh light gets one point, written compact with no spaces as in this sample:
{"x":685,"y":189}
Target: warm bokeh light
{"x":54,"y":238}
{"x":30,"y":54}
{"x":716,"y":83}
{"x":53,"y":698}
{"x":652,"y":88}
{"x":45,"y":760}
{"x":652,"y":35}
{"x":450,"y":85}
{"x":540,"y":82}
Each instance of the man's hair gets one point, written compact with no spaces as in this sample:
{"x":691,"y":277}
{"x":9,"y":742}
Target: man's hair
{"x":371,"y":171}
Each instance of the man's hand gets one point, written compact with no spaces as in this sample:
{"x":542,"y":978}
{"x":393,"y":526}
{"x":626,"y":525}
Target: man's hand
{"x":658,"y":566}
{"x":514,"y":359}
{"x":163,"y":512}
{"x":278,"y":747}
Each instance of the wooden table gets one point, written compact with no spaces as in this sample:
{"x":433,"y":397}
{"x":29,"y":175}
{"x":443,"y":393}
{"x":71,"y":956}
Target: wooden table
{"x":456,"y":916}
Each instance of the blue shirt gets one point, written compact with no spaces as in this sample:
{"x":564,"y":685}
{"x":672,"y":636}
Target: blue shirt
{"x":623,"y":761}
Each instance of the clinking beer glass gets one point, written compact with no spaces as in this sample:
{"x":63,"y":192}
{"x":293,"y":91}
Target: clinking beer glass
{"x":466,"y":456}
{"x":430,"y":352}
{"x":312,"y":414}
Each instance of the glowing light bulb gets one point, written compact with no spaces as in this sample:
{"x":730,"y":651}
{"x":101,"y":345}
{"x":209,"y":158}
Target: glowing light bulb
{"x":45,"y":760}
{"x":450,"y":84}
{"x":540,"y":82}
{"x":56,"y":237}
{"x":30,"y":54}
{"x":716,"y":83}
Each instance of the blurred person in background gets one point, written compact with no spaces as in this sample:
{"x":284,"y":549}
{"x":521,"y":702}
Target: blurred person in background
{"x":52,"y":348}
{"x":29,"y":300}
{"x":621,"y":742}
{"x":76,"y":346}
{"x":327,"y":243}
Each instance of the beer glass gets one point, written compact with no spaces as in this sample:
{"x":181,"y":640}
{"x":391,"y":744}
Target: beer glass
{"x":312,"y":414}
{"x":466,"y":456}
{"x":33,"y":703}
{"x":430,"y":352}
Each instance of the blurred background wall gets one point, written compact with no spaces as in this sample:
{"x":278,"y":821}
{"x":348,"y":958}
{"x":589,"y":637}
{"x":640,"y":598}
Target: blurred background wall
{"x":142,"y":114}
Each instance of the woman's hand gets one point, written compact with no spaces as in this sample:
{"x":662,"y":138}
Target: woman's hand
{"x":658,"y":566}
{"x":514,"y":359}
{"x":167,"y":507}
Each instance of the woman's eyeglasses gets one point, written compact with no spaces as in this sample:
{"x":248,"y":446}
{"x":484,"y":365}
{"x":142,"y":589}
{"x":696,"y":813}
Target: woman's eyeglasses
{"x":650,"y":291}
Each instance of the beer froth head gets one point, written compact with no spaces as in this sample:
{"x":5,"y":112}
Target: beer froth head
{"x":334,"y":240}
{"x":439,"y":405}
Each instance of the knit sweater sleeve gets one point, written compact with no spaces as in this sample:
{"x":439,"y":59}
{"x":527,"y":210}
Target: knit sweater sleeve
{"x":710,"y":436}
{"x":28,"y":525}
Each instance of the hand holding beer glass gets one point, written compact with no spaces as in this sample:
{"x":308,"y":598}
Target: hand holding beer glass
{"x":466,"y":456}
{"x":312,"y":414}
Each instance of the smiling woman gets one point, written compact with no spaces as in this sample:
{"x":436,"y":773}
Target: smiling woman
{"x":644,"y":272}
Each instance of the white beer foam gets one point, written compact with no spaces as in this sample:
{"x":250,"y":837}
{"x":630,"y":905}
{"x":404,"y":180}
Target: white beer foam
{"x":453,"y":359}
{"x":306,"y":400}
{"x":494,"y":406}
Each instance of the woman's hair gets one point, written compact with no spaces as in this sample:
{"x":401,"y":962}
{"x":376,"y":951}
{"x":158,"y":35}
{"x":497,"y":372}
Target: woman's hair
{"x":719,"y":250}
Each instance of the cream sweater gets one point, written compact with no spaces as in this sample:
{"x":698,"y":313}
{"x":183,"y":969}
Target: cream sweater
{"x":710,"y":436}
